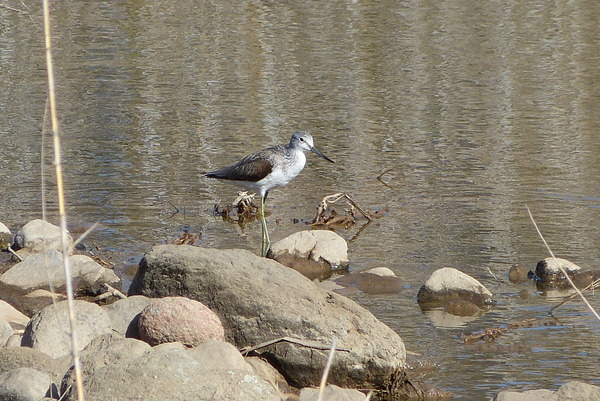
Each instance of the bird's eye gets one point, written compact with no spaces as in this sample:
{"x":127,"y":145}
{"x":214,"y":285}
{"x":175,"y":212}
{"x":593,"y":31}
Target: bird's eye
{"x":302,"y":139}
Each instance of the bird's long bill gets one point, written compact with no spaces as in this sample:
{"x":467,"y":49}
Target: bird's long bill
{"x":316,"y":151}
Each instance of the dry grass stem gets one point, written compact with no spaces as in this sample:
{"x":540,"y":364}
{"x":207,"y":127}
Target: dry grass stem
{"x":61,"y":200}
{"x":592,"y":286}
{"x":561,"y":268}
{"x":83,"y":236}
{"x":326,"y":370}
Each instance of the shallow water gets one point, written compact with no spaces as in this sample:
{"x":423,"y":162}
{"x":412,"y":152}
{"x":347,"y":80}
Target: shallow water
{"x":474,"y":111}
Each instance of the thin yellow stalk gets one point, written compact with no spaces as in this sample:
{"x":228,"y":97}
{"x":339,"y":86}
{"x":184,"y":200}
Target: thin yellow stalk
{"x":43,"y":162}
{"x":326,"y":371}
{"x":561,"y":268}
{"x":61,"y":200}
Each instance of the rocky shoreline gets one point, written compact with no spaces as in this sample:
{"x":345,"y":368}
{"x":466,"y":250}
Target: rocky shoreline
{"x":200,"y":324}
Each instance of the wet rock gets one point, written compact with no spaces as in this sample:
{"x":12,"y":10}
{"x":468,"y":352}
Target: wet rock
{"x":518,"y":274}
{"x":548,"y":274}
{"x":582,"y":279}
{"x":179,"y":319}
{"x":37,"y":270}
{"x":167,"y":373}
{"x":24,"y":384}
{"x":125,"y":313}
{"x":48,"y":330}
{"x":313,"y":253}
{"x":219,"y":355}
{"x":331,"y":393}
{"x":448,"y":284}
{"x":379,"y":280}
{"x":525,"y":294}
{"x":260,"y":300}
{"x":460,"y":307}
{"x":578,"y":391}
{"x":9,"y":314}
{"x":39,"y":236}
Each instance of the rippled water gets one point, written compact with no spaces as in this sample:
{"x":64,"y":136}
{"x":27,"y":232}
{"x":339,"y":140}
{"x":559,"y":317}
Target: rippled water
{"x":473,"y":111}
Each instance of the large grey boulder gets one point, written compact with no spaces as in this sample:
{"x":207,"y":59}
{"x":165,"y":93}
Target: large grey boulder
{"x":448,"y":284}
{"x":39,"y":236}
{"x":129,"y":369}
{"x":260,"y":300}
{"x":219,"y":355}
{"x":38,"y":270}
{"x":49,"y":329}
{"x":24,"y":384}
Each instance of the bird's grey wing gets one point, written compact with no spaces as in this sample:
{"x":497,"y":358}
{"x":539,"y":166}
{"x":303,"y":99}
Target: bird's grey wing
{"x":251,"y":168}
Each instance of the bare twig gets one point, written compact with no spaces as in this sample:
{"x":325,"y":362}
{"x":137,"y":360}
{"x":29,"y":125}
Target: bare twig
{"x":13,"y":9}
{"x":14,"y":253}
{"x":305,"y":343}
{"x":110,"y":292}
{"x":61,"y":200}
{"x":561,"y":268}
{"x":19,"y":11}
{"x":334,"y":198}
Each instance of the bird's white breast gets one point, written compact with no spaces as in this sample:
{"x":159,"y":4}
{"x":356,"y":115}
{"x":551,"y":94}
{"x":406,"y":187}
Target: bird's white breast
{"x":283,"y":173}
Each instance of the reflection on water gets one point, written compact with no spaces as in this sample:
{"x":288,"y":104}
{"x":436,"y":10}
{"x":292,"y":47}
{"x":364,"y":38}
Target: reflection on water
{"x":473,"y":111}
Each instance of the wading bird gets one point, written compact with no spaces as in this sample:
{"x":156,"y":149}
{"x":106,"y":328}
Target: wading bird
{"x":270,"y":168}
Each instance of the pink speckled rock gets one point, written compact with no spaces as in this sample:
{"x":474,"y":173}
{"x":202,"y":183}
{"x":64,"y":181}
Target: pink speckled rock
{"x":179,"y":319}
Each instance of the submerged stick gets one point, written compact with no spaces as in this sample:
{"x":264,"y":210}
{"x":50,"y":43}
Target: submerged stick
{"x":61,"y":201}
{"x":561,"y":268}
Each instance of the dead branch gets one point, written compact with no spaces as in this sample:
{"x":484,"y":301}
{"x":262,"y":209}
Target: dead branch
{"x":335,"y":219}
{"x":305,"y":343}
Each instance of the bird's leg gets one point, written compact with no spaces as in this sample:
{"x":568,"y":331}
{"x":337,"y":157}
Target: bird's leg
{"x":266,"y":242}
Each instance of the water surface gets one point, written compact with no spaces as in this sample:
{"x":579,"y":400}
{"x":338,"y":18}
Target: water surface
{"x":473,"y":110}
